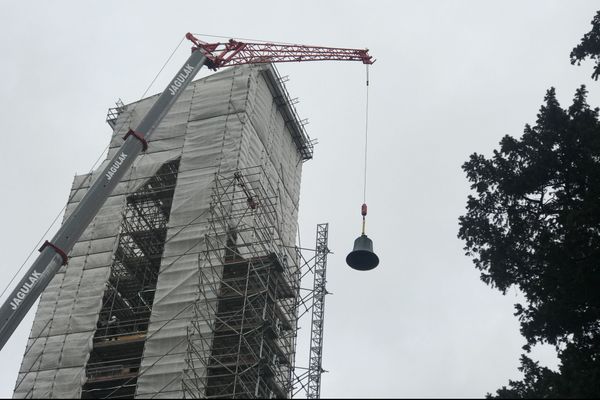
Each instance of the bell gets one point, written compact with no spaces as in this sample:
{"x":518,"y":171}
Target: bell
{"x":362,"y":257}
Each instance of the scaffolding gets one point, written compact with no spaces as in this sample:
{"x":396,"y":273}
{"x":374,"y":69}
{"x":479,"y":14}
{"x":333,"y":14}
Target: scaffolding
{"x":127,"y":303}
{"x":241,"y":343}
{"x":112,"y":115}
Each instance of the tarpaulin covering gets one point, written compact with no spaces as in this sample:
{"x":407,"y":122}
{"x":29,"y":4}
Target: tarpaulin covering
{"x":234,"y":119}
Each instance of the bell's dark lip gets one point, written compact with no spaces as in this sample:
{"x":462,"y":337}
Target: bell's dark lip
{"x":359,"y":267}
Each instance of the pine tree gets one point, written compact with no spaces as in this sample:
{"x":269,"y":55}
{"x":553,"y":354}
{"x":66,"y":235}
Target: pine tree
{"x":589,"y":47}
{"x":534,"y":223}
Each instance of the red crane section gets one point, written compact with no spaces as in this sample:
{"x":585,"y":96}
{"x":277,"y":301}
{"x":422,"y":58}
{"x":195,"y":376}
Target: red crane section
{"x":236,"y":53}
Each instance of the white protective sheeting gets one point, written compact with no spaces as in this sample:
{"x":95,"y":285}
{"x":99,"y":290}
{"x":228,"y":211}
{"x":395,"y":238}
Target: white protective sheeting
{"x":227,"y":121}
{"x":234,"y":124}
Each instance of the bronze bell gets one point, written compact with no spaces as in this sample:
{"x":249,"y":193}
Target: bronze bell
{"x":362,"y":257}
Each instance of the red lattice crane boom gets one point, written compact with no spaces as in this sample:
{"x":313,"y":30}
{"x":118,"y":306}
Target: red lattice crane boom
{"x":235,"y":52}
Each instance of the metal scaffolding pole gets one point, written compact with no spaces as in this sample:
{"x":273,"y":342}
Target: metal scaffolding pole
{"x":318,"y":314}
{"x":122,"y":326}
{"x":241,"y":343}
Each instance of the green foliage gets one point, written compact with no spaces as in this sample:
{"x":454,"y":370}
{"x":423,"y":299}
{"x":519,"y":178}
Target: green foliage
{"x":534,"y":223}
{"x":538,"y":383}
{"x":589,"y":47}
{"x":578,"y":377}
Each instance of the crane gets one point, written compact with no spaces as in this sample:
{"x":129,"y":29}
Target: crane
{"x":54,"y":252}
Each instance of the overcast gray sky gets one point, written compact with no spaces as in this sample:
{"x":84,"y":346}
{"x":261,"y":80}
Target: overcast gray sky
{"x":451,"y":78}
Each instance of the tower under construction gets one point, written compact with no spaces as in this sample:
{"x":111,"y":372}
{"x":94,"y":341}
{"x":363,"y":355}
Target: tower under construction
{"x":187,"y":281}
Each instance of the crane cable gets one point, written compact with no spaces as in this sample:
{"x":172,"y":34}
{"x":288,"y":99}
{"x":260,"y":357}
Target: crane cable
{"x":364,"y":205}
